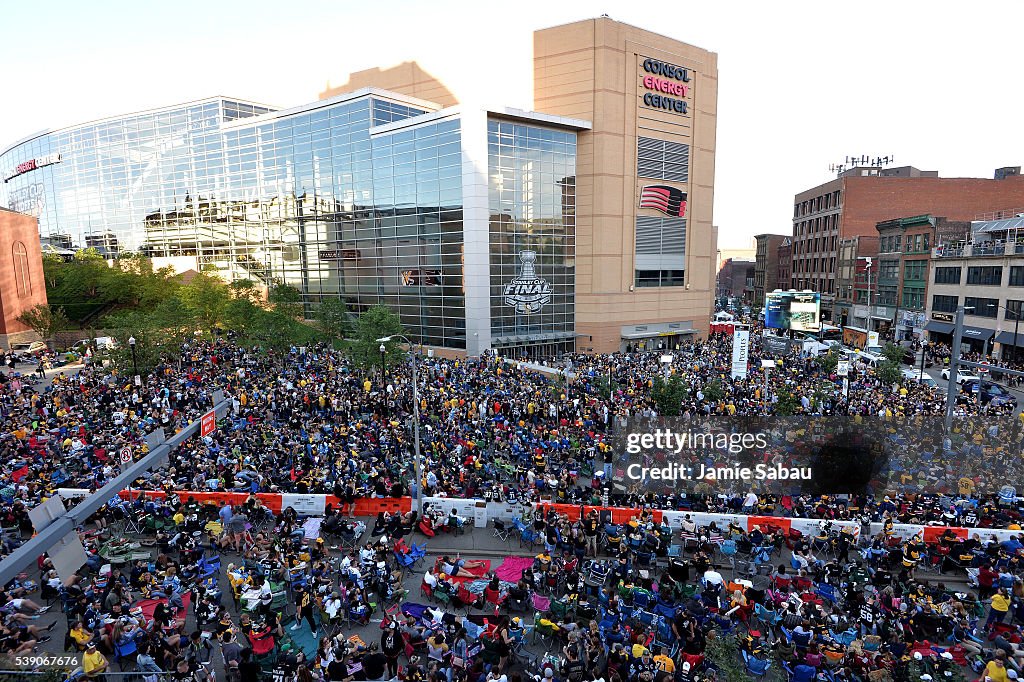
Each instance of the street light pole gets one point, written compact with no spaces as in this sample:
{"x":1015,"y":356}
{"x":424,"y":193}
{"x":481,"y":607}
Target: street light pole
{"x":954,"y":368}
{"x":135,"y":361}
{"x":415,"y":424}
{"x":384,"y":380}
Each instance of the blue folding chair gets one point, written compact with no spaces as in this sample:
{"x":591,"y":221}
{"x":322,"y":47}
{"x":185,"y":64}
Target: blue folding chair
{"x":758,"y":667}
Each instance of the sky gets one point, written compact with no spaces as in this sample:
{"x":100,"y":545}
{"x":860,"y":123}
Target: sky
{"x":802,"y":85}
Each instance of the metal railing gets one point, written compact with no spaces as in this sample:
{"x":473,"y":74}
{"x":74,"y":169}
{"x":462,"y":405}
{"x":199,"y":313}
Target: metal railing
{"x":27,"y":554}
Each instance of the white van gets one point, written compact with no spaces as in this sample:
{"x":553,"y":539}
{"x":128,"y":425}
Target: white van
{"x":869,"y":359}
{"x":916,"y":376}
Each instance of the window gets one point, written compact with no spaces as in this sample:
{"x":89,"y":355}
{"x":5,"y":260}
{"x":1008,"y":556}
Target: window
{"x":1012,"y":311}
{"x":913,"y":298}
{"x":1017,"y":275}
{"x":21,"y":272}
{"x":889,"y":269}
{"x":983,"y":307}
{"x":947,"y":275}
{"x":914,"y":270}
{"x":887,"y":295}
{"x":944,"y":304}
{"x":991,"y":275}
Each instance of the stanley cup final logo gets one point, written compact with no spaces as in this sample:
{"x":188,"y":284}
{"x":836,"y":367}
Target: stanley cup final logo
{"x":528,"y":293}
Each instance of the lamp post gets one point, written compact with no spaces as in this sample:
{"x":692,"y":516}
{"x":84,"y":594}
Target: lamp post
{"x":415,"y":423}
{"x":384,"y":378}
{"x":135,"y":361}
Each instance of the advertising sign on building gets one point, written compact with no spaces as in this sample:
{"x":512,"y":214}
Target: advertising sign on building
{"x":668,"y":200}
{"x":666,"y":86}
{"x":740,"y":352}
{"x":527,"y":293}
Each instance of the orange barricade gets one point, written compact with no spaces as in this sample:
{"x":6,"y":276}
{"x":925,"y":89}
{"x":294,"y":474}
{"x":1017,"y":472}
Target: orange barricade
{"x":933,"y":533}
{"x":619,"y":515}
{"x":371,"y":506}
{"x":766,"y":522}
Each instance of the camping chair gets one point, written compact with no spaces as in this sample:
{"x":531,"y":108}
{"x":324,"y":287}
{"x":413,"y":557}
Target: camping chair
{"x":758,"y":667}
{"x":500,"y":531}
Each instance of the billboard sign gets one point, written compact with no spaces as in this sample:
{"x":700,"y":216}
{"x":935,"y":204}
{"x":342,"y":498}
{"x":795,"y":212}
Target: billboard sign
{"x":740,"y":352}
{"x":528,"y":292}
{"x":776,"y":345}
{"x":794,"y":310}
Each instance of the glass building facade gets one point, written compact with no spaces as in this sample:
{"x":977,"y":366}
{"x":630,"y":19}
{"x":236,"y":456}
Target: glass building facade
{"x":361,"y":196}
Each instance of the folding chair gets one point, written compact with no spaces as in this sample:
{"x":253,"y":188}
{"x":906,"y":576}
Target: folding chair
{"x":500,"y":531}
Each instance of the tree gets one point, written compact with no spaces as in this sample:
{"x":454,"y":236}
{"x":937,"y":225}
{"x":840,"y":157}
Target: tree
{"x":893,"y":352}
{"x":245,"y":289}
{"x":786,"y":404}
{"x":669,"y":395}
{"x":829,"y":361}
{"x":889,"y":372}
{"x":714,"y":392}
{"x":286,"y":299}
{"x":205,"y":298}
{"x":376,"y":323}
{"x":333,"y":319}
{"x":44,"y":320}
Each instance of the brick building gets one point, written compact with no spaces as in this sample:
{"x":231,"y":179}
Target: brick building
{"x":21,"y":275}
{"x":785,"y":264}
{"x":856,"y":280}
{"x":904,"y":252}
{"x":736,"y":279}
{"x":860,"y":198}
{"x":766,"y":265}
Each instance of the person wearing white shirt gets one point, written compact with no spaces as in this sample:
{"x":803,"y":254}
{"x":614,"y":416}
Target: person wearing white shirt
{"x":333,"y":605}
{"x":713,"y":577}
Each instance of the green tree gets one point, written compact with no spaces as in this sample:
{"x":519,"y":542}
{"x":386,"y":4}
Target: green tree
{"x":205,"y":298}
{"x":893,"y":352}
{"x":333,"y":319}
{"x":713,"y":391}
{"x":889,"y":372}
{"x":376,"y":323}
{"x":787,"y":404}
{"x":829,"y":361}
{"x":669,"y":394}
{"x":286,"y":299}
{"x":246,"y":289}
{"x":44,"y":320}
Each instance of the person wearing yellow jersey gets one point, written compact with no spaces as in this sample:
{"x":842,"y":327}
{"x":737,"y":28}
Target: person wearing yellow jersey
{"x":367,"y":386}
{"x":94,"y":664}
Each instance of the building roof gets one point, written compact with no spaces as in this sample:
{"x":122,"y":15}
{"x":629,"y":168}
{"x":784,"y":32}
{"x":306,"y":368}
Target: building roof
{"x":998,"y":225}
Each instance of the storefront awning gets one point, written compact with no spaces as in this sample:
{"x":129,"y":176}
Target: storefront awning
{"x":977,"y":333}
{"x":939,"y":327}
{"x":1007,"y":338}
{"x":655,"y":334}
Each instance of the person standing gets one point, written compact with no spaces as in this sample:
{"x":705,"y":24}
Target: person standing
{"x":392,"y":646}
{"x":94,"y":664}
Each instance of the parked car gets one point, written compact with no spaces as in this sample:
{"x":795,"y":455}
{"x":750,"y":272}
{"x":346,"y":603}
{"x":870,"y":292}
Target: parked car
{"x":961,"y":376}
{"x":25,"y":349}
{"x":99,"y":343}
{"x":987,"y":392}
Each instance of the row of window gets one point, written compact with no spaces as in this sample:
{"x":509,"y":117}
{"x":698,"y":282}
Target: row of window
{"x":984,"y":275}
{"x":977,"y":306}
{"x":821,"y":203}
{"x":915,"y":243}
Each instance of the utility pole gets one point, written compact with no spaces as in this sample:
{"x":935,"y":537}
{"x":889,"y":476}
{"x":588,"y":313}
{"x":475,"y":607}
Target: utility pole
{"x":954,"y":368}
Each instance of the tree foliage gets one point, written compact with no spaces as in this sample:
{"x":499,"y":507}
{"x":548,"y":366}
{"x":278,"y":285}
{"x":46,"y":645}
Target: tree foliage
{"x":829,"y":361}
{"x":889,"y":372}
{"x":786,"y":404}
{"x":669,"y":394}
{"x":333,"y":318}
{"x":893,"y":352}
{"x":376,"y":323}
{"x":44,"y":320}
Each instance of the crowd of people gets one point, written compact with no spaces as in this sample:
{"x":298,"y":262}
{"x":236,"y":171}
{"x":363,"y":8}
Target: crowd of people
{"x":317,"y":423}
